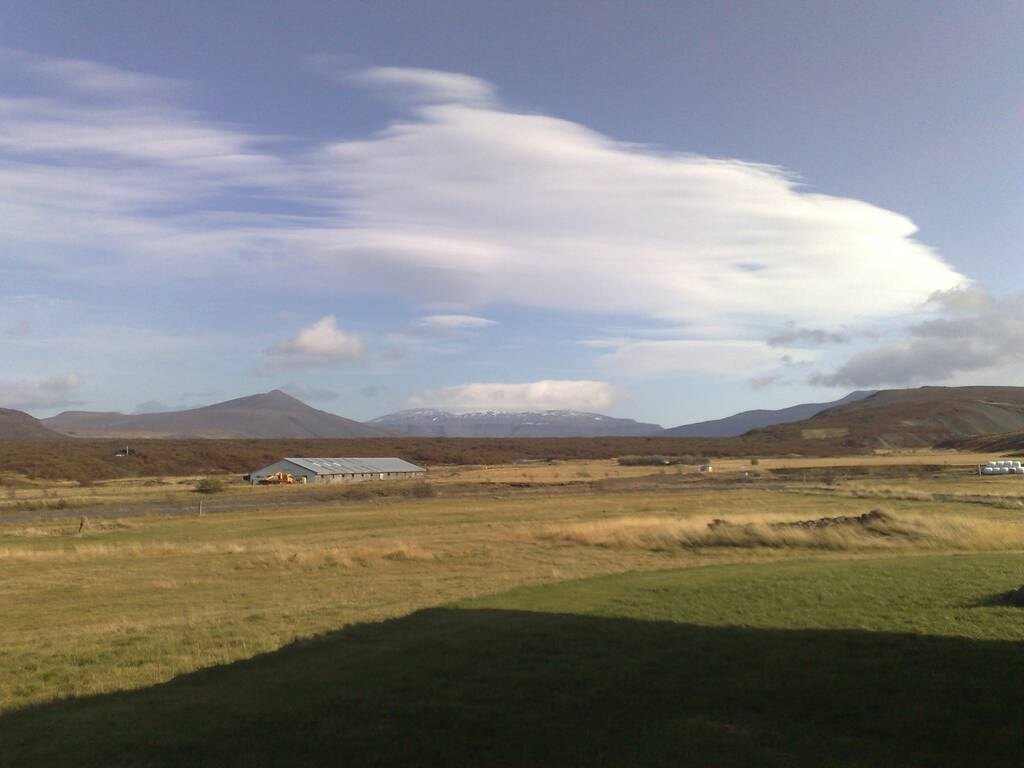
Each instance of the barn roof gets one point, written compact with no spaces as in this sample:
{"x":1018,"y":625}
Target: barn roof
{"x":349,"y":465}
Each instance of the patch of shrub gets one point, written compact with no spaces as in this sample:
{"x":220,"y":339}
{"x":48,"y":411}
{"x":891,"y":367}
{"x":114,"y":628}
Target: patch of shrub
{"x":209,"y":485}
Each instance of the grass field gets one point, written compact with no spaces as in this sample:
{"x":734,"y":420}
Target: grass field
{"x":243,"y":638}
{"x":899,"y":662}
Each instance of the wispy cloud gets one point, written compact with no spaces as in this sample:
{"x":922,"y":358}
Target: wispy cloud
{"x":16,"y":330}
{"x":417,"y":86}
{"x":736,"y":358}
{"x":308,"y":392}
{"x":82,"y":77}
{"x":443,"y":326}
{"x":53,"y":392}
{"x":152,"y":406}
{"x":805,"y":337}
{"x":544,"y":395}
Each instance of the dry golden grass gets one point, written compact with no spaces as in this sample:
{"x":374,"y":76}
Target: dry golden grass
{"x":281,"y":554}
{"x":261,"y":553}
{"x":753,"y":531}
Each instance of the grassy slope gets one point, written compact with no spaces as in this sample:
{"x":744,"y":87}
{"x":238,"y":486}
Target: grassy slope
{"x":855,"y":662}
{"x":914,"y":417}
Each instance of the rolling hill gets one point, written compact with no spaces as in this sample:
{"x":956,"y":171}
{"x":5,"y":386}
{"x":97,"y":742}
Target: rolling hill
{"x":438,"y":423}
{"x":17,"y":425}
{"x":269,"y":415}
{"x":912,"y":417}
{"x":740,"y":423}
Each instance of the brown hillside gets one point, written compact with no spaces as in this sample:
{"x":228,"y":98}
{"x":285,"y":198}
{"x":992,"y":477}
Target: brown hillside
{"x":1007,"y":443}
{"x":96,"y":459}
{"x":913,"y":417}
{"x":16,"y":425}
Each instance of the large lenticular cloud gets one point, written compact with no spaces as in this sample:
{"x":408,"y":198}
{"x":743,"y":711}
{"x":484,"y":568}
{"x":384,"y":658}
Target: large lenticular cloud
{"x":469,"y":202}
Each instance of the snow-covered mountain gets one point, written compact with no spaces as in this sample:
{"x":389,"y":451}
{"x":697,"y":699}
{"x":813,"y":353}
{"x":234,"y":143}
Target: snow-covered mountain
{"x":428,"y":422}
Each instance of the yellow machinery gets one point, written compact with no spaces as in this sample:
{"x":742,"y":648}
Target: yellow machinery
{"x":278,"y":478}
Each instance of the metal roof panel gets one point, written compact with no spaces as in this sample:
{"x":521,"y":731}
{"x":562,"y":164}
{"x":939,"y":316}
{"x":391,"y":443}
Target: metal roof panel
{"x":355,"y":465}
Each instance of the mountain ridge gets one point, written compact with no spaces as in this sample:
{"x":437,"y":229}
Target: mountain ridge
{"x":18,"y":425}
{"x":273,"y":414}
{"x":744,"y":421}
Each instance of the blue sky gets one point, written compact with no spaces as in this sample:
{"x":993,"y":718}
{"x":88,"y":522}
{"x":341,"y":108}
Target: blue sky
{"x":670,"y":211}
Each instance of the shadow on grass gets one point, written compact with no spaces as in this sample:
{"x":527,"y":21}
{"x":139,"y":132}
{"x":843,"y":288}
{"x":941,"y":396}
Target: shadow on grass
{"x":1013,"y":598}
{"x":510,"y":688}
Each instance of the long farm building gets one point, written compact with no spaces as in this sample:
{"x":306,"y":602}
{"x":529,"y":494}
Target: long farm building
{"x":337,"y":470}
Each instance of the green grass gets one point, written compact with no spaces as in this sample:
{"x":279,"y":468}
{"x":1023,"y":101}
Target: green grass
{"x":903,"y":662}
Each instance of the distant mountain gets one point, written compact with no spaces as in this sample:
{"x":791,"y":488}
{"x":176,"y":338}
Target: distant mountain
{"x":273,"y":414}
{"x":913,"y":417}
{"x":741,"y":423}
{"x":438,"y":423}
{"x":17,"y":425}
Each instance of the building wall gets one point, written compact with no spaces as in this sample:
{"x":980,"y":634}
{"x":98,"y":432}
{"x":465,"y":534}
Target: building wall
{"x":367,"y":476}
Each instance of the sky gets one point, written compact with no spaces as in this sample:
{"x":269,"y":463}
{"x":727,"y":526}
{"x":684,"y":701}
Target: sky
{"x":667,"y":211}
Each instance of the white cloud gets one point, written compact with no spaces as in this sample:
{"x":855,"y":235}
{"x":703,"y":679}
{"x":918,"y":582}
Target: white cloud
{"x":544,"y":395}
{"x":53,"y":392}
{"x":320,"y":344}
{"x":481,"y":205}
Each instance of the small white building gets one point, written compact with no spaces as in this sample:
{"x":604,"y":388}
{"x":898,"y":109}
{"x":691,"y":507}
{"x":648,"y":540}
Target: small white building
{"x":339,"y":470}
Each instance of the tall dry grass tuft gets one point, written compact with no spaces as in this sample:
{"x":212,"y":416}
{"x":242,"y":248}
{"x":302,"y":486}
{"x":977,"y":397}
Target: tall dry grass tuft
{"x":890,"y":532}
{"x":327,"y":556}
{"x":90,"y":551}
{"x":265,"y":554}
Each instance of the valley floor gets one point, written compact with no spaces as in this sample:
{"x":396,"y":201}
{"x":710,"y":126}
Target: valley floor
{"x":756,"y":638}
